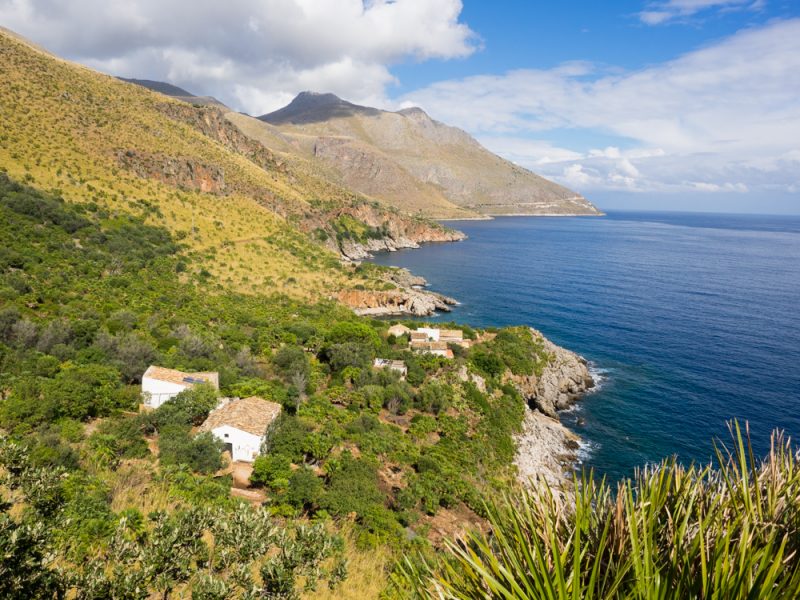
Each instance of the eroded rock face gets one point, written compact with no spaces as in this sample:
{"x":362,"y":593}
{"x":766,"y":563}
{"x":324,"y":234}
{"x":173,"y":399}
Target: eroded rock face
{"x":183,"y":172}
{"x":563,"y":381}
{"x":546,"y":449}
{"x":211,"y":122}
{"x":395,"y":302}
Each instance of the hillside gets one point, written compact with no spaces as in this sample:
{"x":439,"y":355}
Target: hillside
{"x":416,"y":163}
{"x":256,"y":224}
{"x":363,"y":464}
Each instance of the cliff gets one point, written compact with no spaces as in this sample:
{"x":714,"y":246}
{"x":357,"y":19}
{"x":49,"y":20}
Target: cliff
{"x":546,"y":449}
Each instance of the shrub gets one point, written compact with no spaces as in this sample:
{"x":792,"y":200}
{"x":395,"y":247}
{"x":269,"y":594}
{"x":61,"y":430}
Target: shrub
{"x":202,"y":453}
{"x":190,"y":407}
{"x":305,"y":489}
{"x":81,"y":392}
{"x":349,"y":354}
{"x":353,"y":487}
{"x":487,"y":362}
{"x":272,"y":470}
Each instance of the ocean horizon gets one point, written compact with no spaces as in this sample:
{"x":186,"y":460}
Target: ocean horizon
{"x":689,"y":320}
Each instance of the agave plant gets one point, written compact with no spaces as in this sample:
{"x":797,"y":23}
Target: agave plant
{"x":730,"y":531}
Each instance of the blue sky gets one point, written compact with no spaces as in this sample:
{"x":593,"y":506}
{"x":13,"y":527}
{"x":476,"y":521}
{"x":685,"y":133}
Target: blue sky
{"x":644,"y":104}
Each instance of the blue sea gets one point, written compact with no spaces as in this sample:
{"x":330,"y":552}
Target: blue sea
{"x":690,"y":320}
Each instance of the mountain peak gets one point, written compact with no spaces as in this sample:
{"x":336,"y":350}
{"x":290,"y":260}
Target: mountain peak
{"x":314,"y":107}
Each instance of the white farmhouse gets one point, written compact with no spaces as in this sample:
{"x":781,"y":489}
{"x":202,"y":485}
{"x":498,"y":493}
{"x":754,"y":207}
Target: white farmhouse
{"x":432,"y":334}
{"x":160,"y":384}
{"x":242,"y":424}
{"x":398,"y":330}
{"x":394,"y":365}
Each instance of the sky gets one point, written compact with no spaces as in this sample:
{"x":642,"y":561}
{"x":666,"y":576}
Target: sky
{"x":637,"y":104}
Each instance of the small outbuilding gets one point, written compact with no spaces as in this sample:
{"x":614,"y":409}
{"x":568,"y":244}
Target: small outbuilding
{"x":398,"y":330}
{"x":394,"y":365}
{"x":160,"y":384}
{"x":242,"y":424}
{"x":435,"y":348}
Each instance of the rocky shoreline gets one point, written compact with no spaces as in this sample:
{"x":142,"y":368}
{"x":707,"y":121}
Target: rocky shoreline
{"x":408,"y":298}
{"x":546,"y":449}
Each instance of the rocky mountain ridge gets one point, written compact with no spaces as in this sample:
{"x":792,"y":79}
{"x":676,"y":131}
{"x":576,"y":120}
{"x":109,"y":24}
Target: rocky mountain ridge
{"x":412,"y":161}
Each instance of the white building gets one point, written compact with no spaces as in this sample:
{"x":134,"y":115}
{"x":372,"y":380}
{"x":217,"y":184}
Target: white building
{"x":242,"y":424}
{"x":431,"y":333}
{"x":160,"y":384}
{"x":398,"y":330}
{"x":394,"y":365}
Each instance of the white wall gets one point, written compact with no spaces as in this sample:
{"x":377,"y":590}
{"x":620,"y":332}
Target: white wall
{"x":155,"y":392}
{"x":245,"y":446}
{"x":433,"y":334}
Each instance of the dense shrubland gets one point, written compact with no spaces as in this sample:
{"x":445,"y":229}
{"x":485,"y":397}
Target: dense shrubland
{"x":89,"y":298}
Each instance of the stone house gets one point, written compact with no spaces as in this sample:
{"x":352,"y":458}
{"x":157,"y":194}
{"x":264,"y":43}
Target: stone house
{"x":394,"y":365}
{"x":398,"y":330}
{"x":242,"y":424}
{"x":160,"y":384}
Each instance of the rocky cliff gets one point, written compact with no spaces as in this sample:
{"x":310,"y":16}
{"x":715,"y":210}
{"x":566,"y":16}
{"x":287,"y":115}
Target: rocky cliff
{"x":563,"y":381}
{"x":546,"y":450}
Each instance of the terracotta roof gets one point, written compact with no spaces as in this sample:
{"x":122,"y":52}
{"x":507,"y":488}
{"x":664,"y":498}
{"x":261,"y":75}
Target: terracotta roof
{"x":419,"y":335}
{"x":398,"y":329}
{"x":252,"y":415}
{"x":181,"y":378}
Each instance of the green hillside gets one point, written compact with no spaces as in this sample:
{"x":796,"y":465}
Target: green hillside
{"x":91,"y":137}
{"x":91,"y":297}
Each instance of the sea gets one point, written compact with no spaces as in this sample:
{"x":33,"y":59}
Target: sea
{"x":688,"y":320}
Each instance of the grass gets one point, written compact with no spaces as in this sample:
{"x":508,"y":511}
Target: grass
{"x":726,"y":532}
{"x":64,"y":126}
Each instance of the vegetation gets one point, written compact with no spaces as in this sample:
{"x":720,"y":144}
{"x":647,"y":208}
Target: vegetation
{"x":91,"y":297}
{"x":671,"y":532}
{"x":94,"y":139}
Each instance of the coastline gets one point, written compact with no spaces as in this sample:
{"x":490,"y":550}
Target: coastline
{"x":546,"y":449}
{"x":493,"y":217}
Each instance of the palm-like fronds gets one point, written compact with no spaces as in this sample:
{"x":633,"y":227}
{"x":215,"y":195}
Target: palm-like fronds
{"x":726,"y":532}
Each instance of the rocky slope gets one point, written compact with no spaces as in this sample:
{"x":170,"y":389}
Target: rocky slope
{"x":545,"y":448}
{"x":431,"y":167}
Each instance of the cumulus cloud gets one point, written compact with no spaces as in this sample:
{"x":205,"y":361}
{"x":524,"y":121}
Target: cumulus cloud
{"x":253,"y":54}
{"x":658,"y":13}
{"x":726,"y":115}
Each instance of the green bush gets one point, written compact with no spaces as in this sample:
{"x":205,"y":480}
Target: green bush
{"x":352,"y":488}
{"x":201,"y":453}
{"x":305,"y":489}
{"x":272,"y":471}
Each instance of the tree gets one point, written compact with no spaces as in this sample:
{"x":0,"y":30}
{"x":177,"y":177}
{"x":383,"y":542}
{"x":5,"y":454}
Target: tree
{"x":202,"y":453}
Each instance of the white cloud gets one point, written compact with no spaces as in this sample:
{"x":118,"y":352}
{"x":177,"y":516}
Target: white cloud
{"x":725,"y":115}
{"x":252,"y":54}
{"x":658,"y":13}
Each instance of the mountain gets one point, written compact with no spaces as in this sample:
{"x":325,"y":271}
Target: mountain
{"x":418,"y":164}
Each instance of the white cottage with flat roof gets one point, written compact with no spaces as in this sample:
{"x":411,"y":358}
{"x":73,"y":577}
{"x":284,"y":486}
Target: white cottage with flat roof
{"x":242,"y":424}
{"x":160,"y":384}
